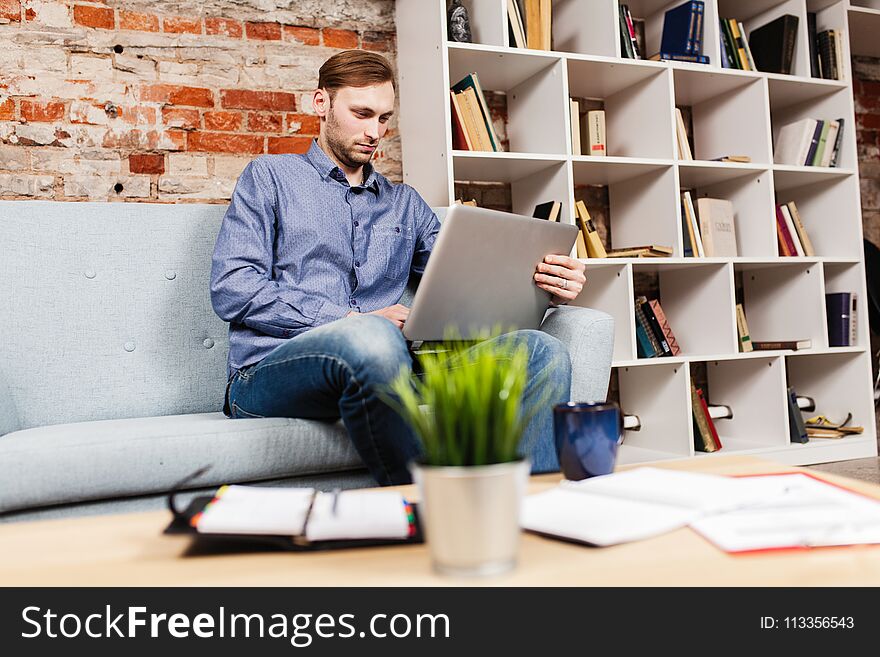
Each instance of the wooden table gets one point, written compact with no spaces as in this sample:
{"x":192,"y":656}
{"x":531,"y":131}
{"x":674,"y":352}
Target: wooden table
{"x":130,"y":550}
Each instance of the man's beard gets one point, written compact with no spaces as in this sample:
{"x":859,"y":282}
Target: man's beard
{"x":347,"y":153}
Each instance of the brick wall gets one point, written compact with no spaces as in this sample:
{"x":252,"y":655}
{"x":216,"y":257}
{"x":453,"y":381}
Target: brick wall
{"x":866,"y":90}
{"x":166,"y":100}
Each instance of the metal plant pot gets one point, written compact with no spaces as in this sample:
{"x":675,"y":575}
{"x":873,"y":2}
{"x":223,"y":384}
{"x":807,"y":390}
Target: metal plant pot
{"x":470,"y":515}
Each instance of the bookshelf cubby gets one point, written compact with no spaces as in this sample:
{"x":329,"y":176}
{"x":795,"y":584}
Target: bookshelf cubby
{"x":732,"y":112}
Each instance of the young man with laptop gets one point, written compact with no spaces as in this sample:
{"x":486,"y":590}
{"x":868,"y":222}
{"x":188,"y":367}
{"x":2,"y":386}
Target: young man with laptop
{"x":315,"y":252}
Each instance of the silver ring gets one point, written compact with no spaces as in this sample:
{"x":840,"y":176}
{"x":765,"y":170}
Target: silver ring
{"x":564,"y":283}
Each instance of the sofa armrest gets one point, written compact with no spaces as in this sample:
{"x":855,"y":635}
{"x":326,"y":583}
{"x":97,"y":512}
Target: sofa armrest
{"x":9,"y":421}
{"x":589,"y":336}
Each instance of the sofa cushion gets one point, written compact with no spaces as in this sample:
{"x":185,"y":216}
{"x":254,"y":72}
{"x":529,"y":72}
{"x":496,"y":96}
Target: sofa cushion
{"x":114,"y":458}
{"x":8,"y":415}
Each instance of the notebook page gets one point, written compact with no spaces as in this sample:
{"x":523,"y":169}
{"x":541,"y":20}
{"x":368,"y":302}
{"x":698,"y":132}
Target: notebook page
{"x":256,"y":510}
{"x":358,"y":514}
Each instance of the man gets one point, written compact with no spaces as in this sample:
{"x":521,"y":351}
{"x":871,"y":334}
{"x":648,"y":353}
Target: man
{"x":312,"y":258}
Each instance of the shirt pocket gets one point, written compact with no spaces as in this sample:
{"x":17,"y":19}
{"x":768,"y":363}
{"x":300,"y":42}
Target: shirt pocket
{"x":391,"y":246}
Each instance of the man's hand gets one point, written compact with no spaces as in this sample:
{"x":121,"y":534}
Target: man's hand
{"x":396,"y":313}
{"x":561,"y":276}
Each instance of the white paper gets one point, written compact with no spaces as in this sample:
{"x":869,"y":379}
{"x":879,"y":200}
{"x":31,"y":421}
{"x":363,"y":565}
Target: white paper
{"x":358,"y":514}
{"x":257,"y":510}
{"x":798,"y":511}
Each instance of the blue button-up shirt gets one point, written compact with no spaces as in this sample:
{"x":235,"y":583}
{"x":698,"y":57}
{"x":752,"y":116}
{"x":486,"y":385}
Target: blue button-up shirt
{"x":299,"y":247}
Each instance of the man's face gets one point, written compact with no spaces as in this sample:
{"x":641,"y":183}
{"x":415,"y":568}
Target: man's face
{"x":356,"y":120}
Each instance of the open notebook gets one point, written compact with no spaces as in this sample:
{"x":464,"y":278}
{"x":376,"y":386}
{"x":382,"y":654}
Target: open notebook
{"x":300,"y":517}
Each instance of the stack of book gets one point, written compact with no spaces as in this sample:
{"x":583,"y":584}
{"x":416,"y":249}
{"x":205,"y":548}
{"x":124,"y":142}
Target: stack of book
{"x":705,"y":435}
{"x":735,"y":51}
{"x":809,"y":142}
{"x":841,"y":315}
{"x":682,"y":38}
{"x":791,"y":233}
{"x":590,"y":124}
{"x":529,"y":23}
{"x":472,"y":128}
{"x":654,"y":336}
{"x":630,"y":42}
{"x":709,"y":229}
{"x":830,"y":54}
{"x":820,"y":426}
{"x":772,"y":45}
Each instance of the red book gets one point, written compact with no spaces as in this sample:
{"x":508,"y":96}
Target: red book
{"x":459,"y":136}
{"x":705,"y":408}
{"x":786,"y":244}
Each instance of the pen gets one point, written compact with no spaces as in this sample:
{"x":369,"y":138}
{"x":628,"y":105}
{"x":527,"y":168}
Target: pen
{"x":335,"y":501}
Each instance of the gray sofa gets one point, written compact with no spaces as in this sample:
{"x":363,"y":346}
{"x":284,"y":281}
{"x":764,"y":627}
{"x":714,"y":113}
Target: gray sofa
{"x":112,"y":366}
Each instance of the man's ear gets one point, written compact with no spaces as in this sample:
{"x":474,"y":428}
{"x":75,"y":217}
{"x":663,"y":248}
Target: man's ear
{"x":321,"y":102}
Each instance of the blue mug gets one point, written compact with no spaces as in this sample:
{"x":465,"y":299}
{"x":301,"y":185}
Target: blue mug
{"x":587,"y":438}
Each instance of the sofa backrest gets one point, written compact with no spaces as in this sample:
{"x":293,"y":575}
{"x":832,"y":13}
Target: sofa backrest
{"x":105,"y":310}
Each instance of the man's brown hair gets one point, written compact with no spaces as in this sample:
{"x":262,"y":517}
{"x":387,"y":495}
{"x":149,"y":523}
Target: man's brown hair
{"x":354,"y":68}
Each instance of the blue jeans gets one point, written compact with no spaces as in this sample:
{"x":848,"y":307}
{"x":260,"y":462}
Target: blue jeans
{"x":337,"y":369}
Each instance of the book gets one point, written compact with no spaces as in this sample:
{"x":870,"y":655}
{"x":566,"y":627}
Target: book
{"x":773,"y":43}
{"x":742,"y":329}
{"x":679,"y":29}
{"x":773,"y":345}
{"x":581,"y":246}
{"x":800,"y":229}
{"x":830,"y":143}
{"x":643,"y":343}
{"x":783,"y":237}
{"x":678,"y":57}
{"x":472,"y":202}
{"x":460,"y":137}
{"x":746,"y":48}
{"x":305,"y":514}
{"x":631,"y":32}
{"x":725,"y":60}
{"x":664,"y":326}
{"x":656,"y":329}
{"x":728,"y":44}
{"x":550,"y":211}
{"x":644,"y":251}
{"x":743,"y":159}
{"x":642,"y":321}
{"x":814,"y":143}
{"x":837,"y":144}
{"x":840,"y":314}
{"x":793,"y":142}
{"x":691,"y":213}
{"x":639,"y":27}
{"x":517,"y":29}
{"x":687,"y":235}
{"x":814,"y":46}
{"x":474,"y":124}
{"x":472,"y":81}
{"x":703,"y":439}
{"x":684,"y":148}
{"x":595,"y":248}
{"x":717,"y":229}
{"x":739,"y":43}
{"x":791,"y":231}
{"x":626,"y":43}
{"x":574,"y":114}
{"x":796,"y":428}
{"x":827,"y":45}
{"x":712,"y":430}
{"x":596,"y":133}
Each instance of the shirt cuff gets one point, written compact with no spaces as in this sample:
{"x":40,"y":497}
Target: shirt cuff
{"x":330,"y":312}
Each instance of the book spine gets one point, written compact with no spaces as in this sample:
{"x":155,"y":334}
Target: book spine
{"x":853,"y":321}
{"x":626,"y":50}
{"x":594,"y":245}
{"x":715,"y":438}
{"x":746,"y":47}
{"x":837,"y":144}
{"x":796,"y":426}
{"x":789,"y":36}
{"x":791,"y":231}
{"x":814,"y":143}
{"x":645,"y":349}
{"x":728,"y":40}
{"x":784,"y":249}
{"x":655,"y":328}
{"x":596,"y":130}
{"x":675,"y":57}
{"x":664,"y":326}
{"x":809,"y":251}
{"x":745,"y":340}
{"x":632,"y":33}
{"x":702,"y":435}
{"x":643,"y":322}
{"x":765,"y":345}
{"x":698,"y":30}
{"x":837,"y":307}
{"x":814,"y":52}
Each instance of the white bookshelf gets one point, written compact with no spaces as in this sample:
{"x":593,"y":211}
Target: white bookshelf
{"x":733,"y":112}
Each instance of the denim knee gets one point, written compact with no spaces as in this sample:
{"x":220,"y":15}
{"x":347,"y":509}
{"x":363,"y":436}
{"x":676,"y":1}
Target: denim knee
{"x":374,"y":346}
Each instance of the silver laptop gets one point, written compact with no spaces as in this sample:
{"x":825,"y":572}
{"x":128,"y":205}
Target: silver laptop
{"x":481,"y":274}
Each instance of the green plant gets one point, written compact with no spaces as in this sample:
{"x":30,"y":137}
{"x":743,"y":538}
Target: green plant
{"x":467,"y":408}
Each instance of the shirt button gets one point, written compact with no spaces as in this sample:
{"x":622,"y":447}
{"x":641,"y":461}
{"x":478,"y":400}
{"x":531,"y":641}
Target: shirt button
{"x":357,"y":263}
{"x":356,"y":224}
{"x":396,"y":229}
{"x":354,"y":302}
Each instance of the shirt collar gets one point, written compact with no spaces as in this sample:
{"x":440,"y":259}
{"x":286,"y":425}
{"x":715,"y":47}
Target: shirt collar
{"x":327,"y":168}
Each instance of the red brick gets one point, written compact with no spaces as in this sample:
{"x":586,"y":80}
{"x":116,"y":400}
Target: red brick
{"x":146,"y":163}
{"x":169,"y":140}
{"x":177,"y":95}
{"x":340,"y":38}
{"x":7,"y":110}
{"x":220,"y":142}
{"x":98,"y":17}
{"x":289,"y":144}
{"x":181,"y":25}
{"x":263,"y":122}
{"x":263,"y":31}
{"x":130,"y":20}
{"x":257,"y":100}
{"x":868,"y":88}
{"x":868,"y":121}
{"x":227,"y":121}
{"x":223,"y":26}
{"x":10,"y":10}
{"x":308,"y":36}
{"x":309,"y":124}
{"x":180,"y":118}
{"x":378,"y":41}
{"x":138,"y":115}
{"x":36,"y":111}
